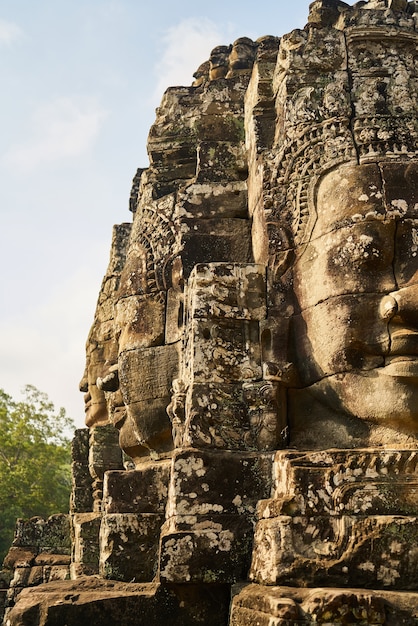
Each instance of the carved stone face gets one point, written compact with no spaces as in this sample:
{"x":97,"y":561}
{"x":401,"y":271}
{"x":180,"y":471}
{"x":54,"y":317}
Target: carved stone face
{"x":242,"y":55}
{"x":101,"y":346}
{"x":219,"y":62}
{"x":95,"y":406}
{"x":144,"y":365}
{"x":356,"y":282}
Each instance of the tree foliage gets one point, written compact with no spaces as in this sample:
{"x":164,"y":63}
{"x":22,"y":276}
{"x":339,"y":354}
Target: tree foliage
{"x":34,"y":460}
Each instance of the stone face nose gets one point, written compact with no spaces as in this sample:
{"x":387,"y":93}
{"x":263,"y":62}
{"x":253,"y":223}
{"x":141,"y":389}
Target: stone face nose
{"x":405,"y":308}
{"x":83,"y":384}
{"x":388,"y":307}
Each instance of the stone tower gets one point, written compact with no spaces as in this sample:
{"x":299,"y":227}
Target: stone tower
{"x":255,"y":347}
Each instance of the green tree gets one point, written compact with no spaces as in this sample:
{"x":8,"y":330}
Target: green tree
{"x":35,"y":460}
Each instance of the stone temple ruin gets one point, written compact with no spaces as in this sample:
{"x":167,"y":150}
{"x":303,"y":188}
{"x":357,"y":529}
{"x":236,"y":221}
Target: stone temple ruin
{"x":251,"y":380}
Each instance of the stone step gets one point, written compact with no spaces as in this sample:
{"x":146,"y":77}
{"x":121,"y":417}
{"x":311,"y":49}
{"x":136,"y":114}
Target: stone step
{"x":91,"y":601}
{"x":256,"y":605}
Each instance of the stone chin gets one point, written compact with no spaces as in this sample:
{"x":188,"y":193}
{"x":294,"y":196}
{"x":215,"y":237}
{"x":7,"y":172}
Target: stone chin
{"x":358,"y":408}
{"x":96,"y":415}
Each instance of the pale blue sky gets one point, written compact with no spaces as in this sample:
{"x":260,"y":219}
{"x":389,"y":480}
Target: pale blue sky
{"x":80,"y":81}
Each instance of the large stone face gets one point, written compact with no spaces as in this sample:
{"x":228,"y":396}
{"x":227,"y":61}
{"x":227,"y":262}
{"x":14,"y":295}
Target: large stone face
{"x":255,"y":344}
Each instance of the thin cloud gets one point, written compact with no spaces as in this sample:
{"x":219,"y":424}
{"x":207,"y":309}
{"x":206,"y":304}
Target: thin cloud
{"x":186,"y":46}
{"x":64,"y":128}
{"x":9,"y":32}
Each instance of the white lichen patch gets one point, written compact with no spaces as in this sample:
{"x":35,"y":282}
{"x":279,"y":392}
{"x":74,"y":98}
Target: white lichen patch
{"x":221,"y":541}
{"x":396,"y":547}
{"x":237,"y":501}
{"x":324,"y":496}
{"x":192,"y":466}
{"x":388,"y":575}
{"x":398,"y":208}
{"x":355,"y":249}
{"x":366,"y":502}
{"x":368,"y":566}
{"x":189,"y":505}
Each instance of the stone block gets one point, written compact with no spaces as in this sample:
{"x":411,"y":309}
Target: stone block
{"x":221,"y":160}
{"x":144,"y":490}
{"x":173,"y":162}
{"x":225,"y":290}
{"x":20,"y":557}
{"x":235,"y":416}
{"x":105,"y":453}
{"x":146,"y":374}
{"x":215,"y":554}
{"x":339,"y":518}
{"x":80,"y":446}
{"x":140,"y":321}
{"x":79,"y":570}
{"x":52,"y":559}
{"x":215,"y":240}
{"x":36,"y":576}
{"x":374,"y":551}
{"x":220,"y":127}
{"x":217,"y":483}
{"x":205,"y":200}
{"x":129,"y":546}
{"x":56,"y":572}
{"x":20,"y":577}
{"x":52,"y":535}
{"x":224,"y":350}
{"x":85,"y":544}
{"x":208,"y":533}
{"x":56,"y":535}
{"x":311,"y":53}
{"x":29,"y":533}
{"x":81,"y":500}
{"x":106,"y":602}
